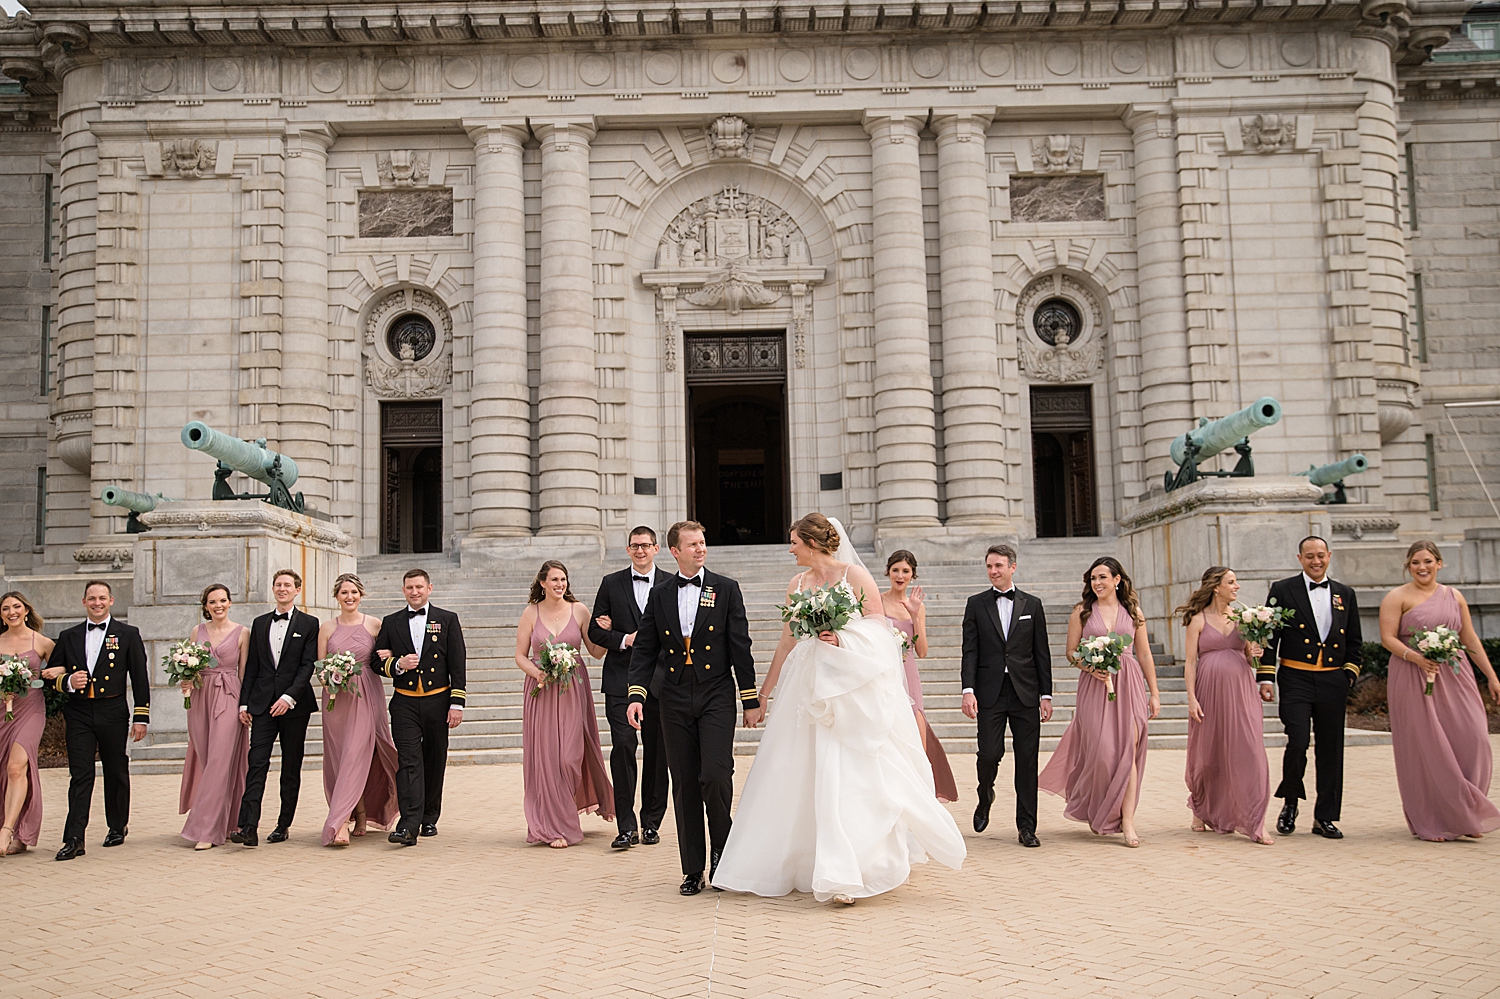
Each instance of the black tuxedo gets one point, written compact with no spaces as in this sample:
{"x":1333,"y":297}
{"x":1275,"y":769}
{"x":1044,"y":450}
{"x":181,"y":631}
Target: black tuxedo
{"x":1315,"y":675}
{"x":1009,"y":676}
{"x":266,"y":681}
{"x":702,"y":680}
{"x":98,"y":720}
{"x":616,"y":600}
{"x":419,"y":708}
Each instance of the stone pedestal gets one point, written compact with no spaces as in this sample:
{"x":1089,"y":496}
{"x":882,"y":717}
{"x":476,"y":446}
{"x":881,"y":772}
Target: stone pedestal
{"x":1251,"y":525}
{"x":240,"y":543}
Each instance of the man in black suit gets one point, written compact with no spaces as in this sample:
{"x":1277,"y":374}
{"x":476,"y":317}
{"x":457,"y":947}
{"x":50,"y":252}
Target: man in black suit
{"x":1318,"y":652}
{"x":421,"y":648}
{"x":622,"y":600}
{"x":692,"y":652}
{"x":276,"y":701}
{"x":1007,"y":677}
{"x":90,"y":663}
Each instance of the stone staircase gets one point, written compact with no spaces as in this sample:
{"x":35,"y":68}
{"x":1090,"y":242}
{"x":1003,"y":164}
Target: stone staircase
{"x":490,"y":605}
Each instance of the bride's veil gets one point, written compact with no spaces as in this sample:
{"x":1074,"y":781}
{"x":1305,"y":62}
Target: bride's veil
{"x":845,"y":551}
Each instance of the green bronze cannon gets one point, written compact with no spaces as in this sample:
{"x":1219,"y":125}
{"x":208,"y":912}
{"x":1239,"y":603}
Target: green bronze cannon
{"x":135,"y":503}
{"x":1212,"y":436}
{"x":276,"y":471}
{"x":1334,"y":475}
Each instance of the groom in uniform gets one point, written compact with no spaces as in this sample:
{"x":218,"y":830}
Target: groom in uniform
{"x":1319,"y":655}
{"x":421,"y":648}
{"x":692,"y":636}
{"x":622,"y":599}
{"x":1007,"y":677}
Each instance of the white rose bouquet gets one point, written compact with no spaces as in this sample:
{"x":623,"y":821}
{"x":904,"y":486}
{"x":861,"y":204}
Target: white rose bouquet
{"x":825,"y":608}
{"x":16,"y":678}
{"x":1442,"y":645}
{"x":1260,"y":623}
{"x":1102,"y":655}
{"x":338,"y":672}
{"x":557,"y":661}
{"x":185,"y":662}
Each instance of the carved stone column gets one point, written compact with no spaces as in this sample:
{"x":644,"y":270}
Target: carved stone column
{"x":567,"y":404}
{"x":303,"y":406}
{"x":1166,"y":379}
{"x":905,"y":442}
{"x":972,"y":433}
{"x":499,"y":413}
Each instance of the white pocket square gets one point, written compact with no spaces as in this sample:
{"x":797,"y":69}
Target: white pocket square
{"x":1024,"y":617}
{"x":296,"y":636}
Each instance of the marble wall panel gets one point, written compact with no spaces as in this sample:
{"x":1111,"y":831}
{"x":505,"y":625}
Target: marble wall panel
{"x":398,"y":214}
{"x":1075,"y":198}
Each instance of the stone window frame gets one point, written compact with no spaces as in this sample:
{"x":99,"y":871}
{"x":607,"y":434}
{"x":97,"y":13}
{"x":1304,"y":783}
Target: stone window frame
{"x":346,"y":181}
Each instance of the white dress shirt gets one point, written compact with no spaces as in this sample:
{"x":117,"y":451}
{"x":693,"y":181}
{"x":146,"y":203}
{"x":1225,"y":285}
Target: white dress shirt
{"x":687,"y":603}
{"x":641,"y":590}
{"x":93,"y":643}
{"x":1322,"y":605}
{"x":417,"y":626}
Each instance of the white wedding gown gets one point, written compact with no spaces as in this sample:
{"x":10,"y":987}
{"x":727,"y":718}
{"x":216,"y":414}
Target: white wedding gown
{"x":840,"y":799}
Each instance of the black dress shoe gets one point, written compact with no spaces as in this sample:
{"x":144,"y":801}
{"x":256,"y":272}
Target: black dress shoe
{"x":403,"y":837}
{"x":71,"y":848}
{"x":278,"y":835}
{"x":115,"y":837}
{"x":650,"y":837}
{"x":692,"y":884}
{"x":247,"y":837}
{"x":982,"y":810}
{"x":1326,"y":829}
{"x":624,"y":841}
{"x":713,"y":866}
{"x":1286,"y":822}
{"x":428,"y":829}
{"x":1029,"y":839}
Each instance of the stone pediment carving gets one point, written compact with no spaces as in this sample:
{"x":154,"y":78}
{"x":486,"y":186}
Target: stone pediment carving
{"x":408,"y":378}
{"x":1060,"y":364}
{"x":733,"y":290}
{"x":190,"y":157}
{"x":1266,"y":133}
{"x":402,"y":168}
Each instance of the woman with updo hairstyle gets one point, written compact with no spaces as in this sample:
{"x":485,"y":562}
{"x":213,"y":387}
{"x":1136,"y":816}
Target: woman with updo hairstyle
{"x":818,"y":533}
{"x":21,"y":737}
{"x":562,"y":766}
{"x":1439,"y":739}
{"x":218,"y":753}
{"x":908,"y":613}
{"x":1099,"y":762}
{"x":359,"y":757}
{"x":1229,"y":782}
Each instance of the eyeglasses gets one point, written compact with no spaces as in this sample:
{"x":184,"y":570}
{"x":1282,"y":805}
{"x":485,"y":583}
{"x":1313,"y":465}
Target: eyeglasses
{"x":641,"y":547}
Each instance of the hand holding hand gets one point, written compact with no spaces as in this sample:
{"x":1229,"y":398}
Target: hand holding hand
{"x":605,"y":621}
{"x":245,"y":718}
{"x":1267,"y":691}
{"x":754,"y":716}
{"x":634,"y":713}
{"x":970,"y":705}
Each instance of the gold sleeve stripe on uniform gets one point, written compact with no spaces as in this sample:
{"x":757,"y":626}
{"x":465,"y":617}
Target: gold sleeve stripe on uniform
{"x":636,"y":689}
{"x":458,"y":690}
{"x":749,"y":692}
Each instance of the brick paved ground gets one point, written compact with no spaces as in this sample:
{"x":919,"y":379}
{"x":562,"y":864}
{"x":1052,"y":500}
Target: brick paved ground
{"x":476,"y":912}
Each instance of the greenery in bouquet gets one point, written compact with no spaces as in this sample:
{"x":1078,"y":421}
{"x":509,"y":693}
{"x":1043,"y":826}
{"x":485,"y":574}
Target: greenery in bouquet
{"x":557,"y":661}
{"x":1441,"y":645}
{"x":825,"y":608}
{"x":185,"y":662}
{"x":16,"y":678}
{"x":1102,"y":654}
{"x":338,"y":672}
{"x":1260,"y":623}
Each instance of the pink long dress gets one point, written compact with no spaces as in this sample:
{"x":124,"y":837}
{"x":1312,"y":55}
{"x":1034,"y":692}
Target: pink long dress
{"x":1442,"y":749}
{"x":1091,"y":767}
{"x":1229,"y":782}
{"x":937,"y":757}
{"x":359,"y":758}
{"x":30,"y":710}
{"x":213,"y":775}
{"x":562,"y":764}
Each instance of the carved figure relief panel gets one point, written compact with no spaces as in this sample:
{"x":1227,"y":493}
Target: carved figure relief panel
{"x":408,"y":355}
{"x":1060,"y":330}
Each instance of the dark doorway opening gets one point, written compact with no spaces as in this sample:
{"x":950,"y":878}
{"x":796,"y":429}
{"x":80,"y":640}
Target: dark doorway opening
{"x":411,"y":516}
{"x":1062,"y":462}
{"x":738,"y":482}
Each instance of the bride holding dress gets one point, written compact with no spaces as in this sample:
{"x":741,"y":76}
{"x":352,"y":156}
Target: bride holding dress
{"x":840,"y":800}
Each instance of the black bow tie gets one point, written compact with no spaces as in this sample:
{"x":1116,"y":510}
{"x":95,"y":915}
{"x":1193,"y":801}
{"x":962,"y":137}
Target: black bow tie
{"x":415,"y":613}
{"x":639,"y":579}
{"x":101,"y":627}
{"x":1317,"y":586}
{"x":1006,"y":594}
{"x":280,"y":617}
{"x":689,"y":581}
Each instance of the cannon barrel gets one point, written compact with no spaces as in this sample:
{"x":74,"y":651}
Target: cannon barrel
{"x":125,"y":498}
{"x":1214,"y":436}
{"x":1338,"y":471}
{"x":254,"y":460}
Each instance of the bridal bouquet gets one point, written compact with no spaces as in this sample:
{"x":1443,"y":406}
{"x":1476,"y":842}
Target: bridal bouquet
{"x":1102,"y":655}
{"x":185,"y":662}
{"x":16,"y":678}
{"x":1259,"y":624}
{"x":826,"y":608}
{"x":339,"y":672}
{"x":1441,"y":645}
{"x":557,"y":662}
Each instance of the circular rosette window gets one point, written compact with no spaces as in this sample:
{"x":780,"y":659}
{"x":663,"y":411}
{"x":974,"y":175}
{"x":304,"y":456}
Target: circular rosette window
{"x":1057,"y":322}
{"x":411,"y":336}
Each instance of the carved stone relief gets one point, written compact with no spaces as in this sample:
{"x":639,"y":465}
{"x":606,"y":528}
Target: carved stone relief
{"x":731,"y":227}
{"x":1056,"y":153}
{"x":1266,"y":133}
{"x":407,"y":346}
{"x":1060,"y":336}
{"x":730,"y":136}
{"x":190,"y":157}
{"x":402,"y":168}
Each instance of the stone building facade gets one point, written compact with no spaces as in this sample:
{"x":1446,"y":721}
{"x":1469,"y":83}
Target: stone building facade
{"x":508,"y":275}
